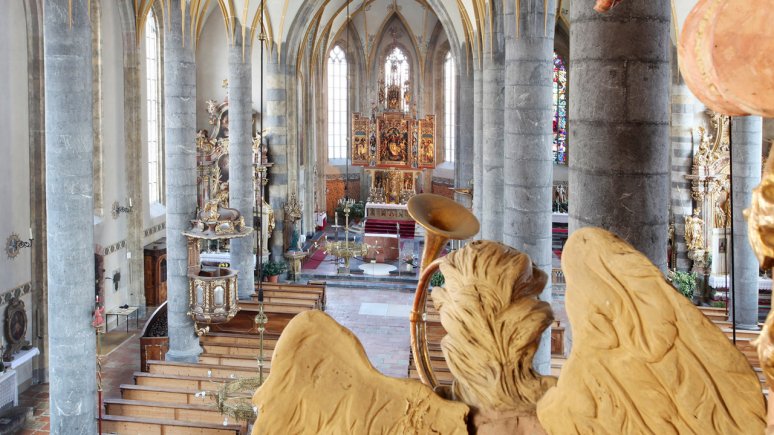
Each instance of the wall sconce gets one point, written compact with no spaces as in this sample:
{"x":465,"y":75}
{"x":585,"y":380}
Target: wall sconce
{"x":13,"y":244}
{"x":118,"y":208}
{"x":116,"y":279}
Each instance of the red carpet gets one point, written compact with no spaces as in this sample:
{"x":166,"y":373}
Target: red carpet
{"x":315,"y":260}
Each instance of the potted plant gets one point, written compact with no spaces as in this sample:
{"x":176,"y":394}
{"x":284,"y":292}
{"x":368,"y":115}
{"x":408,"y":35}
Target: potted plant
{"x":356,"y":212}
{"x":273,"y":269}
{"x":685,"y":282}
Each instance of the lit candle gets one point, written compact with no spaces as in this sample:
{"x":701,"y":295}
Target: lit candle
{"x":130,"y":202}
{"x":336,"y":218}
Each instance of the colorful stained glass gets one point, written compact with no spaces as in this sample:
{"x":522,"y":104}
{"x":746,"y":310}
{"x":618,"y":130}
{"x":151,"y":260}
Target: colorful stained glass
{"x":560,"y":111}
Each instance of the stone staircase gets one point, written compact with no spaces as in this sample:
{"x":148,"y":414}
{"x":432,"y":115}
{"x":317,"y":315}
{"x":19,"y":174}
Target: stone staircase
{"x":171,"y":398}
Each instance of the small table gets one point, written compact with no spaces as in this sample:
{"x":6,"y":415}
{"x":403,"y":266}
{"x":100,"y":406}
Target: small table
{"x":126,"y":312}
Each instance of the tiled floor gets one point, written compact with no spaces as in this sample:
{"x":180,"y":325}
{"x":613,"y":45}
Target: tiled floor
{"x":379,"y":318}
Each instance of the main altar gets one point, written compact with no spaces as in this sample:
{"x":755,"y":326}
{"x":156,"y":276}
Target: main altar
{"x":394,"y":146}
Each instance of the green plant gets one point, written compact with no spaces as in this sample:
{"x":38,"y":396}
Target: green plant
{"x":356,"y":212}
{"x":437,"y":280}
{"x":685,"y":282}
{"x":273,"y":268}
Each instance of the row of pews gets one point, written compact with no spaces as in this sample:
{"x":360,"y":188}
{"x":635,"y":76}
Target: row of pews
{"x":166,"y":397}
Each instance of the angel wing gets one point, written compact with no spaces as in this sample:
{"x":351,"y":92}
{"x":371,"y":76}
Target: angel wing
{"x":321,"y":382}
{"x":644,"y":360}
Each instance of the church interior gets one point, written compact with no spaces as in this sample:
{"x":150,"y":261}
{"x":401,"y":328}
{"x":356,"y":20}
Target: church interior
{"x":386,"y":216}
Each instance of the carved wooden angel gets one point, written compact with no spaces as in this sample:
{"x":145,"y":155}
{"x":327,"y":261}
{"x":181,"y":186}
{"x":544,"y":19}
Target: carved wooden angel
{"x":644,"y":360}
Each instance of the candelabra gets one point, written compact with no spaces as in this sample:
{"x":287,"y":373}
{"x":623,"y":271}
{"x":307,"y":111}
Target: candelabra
{"x":345,"y":249}
{"x":14,"y":244}
{"x":118,"y":209}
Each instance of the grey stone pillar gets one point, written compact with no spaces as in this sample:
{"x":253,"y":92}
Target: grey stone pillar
{"x":241,"y":187}
{"x":746,"y":149}
{"x":276,"y":123}
{"x":478,"y":142}
{"x":180,"y":164}
{"x":682,"y":124}
{"x":493,"y":82}
{"x":69,"y":199}
{"x":464,"y":147}
{"x":528,"y":165}
{"x":619,"y":107}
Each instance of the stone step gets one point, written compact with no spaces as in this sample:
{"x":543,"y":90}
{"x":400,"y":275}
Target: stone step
{"x":125,"y":425}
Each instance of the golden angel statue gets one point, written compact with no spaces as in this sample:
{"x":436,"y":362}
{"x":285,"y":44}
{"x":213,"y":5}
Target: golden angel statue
{"x":645,"y":360}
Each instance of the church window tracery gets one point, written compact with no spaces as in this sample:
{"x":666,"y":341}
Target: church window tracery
{"x":449,"y":107}
{"x":153,"y":104}
{"x":337,"y":104}
{"x":396,"y":72}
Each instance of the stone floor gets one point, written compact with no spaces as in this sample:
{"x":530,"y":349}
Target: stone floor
{"x":379,"y":318}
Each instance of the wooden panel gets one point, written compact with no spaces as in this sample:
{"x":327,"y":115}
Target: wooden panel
{"x":152,"y":348}
{"x":443,"y":190}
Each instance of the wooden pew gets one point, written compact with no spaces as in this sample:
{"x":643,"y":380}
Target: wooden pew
{"x":151,"y":426}
{"x":166,"y":411}
{"x":316,"y":288}
{"x":234,"y":360}
{"x":162,"y":394}
{"x":204,"y":370}
{"x":193,"y":383}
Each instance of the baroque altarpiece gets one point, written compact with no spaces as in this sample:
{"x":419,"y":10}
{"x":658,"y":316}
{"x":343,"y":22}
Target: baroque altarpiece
{"x":212,"y":159}
{"x":707,"y":229}
{"x":393,"y":145}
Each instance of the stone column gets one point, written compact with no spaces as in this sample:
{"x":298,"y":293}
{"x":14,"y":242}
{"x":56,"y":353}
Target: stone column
{"x":746,"y":149}
{"x":619,"y":112}
{"x":528,"y":165}
{"x":478,"y":141}
{"x":180,"y":164}
{"x":240,"y":185}
{"x":276,"y":123}
{"x":69,"y":199}
{"x":465,"y":119}
{"x":493,"y":94}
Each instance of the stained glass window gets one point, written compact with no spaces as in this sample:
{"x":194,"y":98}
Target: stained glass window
{"x":560,"y":111}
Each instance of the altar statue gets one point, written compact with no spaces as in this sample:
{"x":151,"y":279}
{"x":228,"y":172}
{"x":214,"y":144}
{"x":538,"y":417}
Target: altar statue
{"x":694,"y":232}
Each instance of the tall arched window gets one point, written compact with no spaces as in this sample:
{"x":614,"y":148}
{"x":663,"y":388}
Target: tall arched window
{"x":396,"y":72}
{"x":337,"y":104}
{"x":560,"y":111}
{"x":153,"y":105}
{"x":449,"y":90}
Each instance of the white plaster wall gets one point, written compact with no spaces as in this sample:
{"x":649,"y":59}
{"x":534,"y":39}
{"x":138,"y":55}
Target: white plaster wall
{"x":212,"y":68}
{"x":110,"y":231}
{"x":15,"y":188}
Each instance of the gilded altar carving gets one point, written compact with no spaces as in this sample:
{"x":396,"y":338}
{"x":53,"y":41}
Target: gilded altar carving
{"x":760,"y":231}
{"x":694,"y":232}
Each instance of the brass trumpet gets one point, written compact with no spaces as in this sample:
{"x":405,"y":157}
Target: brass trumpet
{"x":444,"y":220}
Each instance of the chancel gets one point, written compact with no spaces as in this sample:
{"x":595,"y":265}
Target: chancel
{"x":386,"y":216}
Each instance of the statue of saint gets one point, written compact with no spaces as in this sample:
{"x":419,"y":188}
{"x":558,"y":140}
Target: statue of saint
{"x":694,"y":232}
{"x":720,"y":216}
